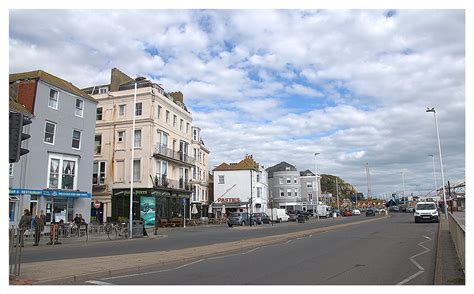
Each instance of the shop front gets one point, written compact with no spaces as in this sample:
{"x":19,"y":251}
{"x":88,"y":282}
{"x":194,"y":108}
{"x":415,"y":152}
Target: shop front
{"x":56,"y":204}
{"x":150,"y":205}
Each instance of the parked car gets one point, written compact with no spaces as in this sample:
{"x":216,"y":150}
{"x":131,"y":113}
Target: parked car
{"x":347,"y":213}
{"x":261,"y":218}
{"x":426,"y":211}
{"x":337,"y":211}
{"x":292,"y":217}
{"x":410,"y":209}
{"x":240,"y":219}
{"x":370,"y":212}
{"x":356,"y":212}
{"x":304,"y":214}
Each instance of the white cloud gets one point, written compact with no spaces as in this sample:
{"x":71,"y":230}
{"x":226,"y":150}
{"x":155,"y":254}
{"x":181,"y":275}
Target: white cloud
{"x":249,"y":76}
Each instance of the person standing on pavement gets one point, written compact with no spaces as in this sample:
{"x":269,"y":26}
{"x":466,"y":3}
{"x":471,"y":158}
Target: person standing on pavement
{"x":39,"y":227}
{"x":24,"y":224}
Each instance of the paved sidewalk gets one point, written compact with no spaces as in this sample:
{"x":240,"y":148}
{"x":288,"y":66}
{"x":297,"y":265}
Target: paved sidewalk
{"x":60,"y":271}
{"x":448,"y":268}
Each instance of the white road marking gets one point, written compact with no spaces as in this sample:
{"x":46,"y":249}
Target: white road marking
{"x":101,"y":283}
{"x":412,"y":259}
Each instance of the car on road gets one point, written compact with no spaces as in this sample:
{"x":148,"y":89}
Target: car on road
{"x":410,"y":209}
{"x":370,"y":212}
{"x":261,"y":218}
{"x":381,"y":210}
{"x":292,"y":217}
{"x":240,"y":219}
{"x":356,"y":212}
{"x":394,"y":208}
{"x":347,"y":213}
{"x":426,"y":211}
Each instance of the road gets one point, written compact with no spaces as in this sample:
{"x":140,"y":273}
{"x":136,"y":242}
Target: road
{"x":385,"y":252}
{"x":172,"y":239}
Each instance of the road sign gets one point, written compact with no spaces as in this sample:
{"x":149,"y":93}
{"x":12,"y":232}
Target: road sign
{"x":183,"y":201}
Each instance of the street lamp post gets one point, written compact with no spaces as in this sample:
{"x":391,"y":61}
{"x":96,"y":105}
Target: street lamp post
{"x":434,"y":176}
{"x":317,"y":184}
{"x":404,"y":192}
{"x":131,"y":165}
{"x":440,"y":161}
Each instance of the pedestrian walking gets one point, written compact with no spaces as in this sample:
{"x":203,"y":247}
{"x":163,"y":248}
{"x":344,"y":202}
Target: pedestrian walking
{"x":39,"y":226}
{"x":24,"y":224}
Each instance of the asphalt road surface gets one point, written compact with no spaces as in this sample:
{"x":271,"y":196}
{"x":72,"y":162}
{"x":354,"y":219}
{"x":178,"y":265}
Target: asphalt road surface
{"x":385,"y":252}
{"x":178,"y":238}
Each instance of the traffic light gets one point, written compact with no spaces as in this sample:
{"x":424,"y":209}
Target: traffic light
{"x":17,"y":122}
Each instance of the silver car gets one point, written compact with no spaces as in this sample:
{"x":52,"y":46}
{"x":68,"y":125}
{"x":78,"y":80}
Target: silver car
{"x":240,"y":219}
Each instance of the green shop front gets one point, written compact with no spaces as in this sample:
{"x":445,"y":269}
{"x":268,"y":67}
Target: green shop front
{"x":153,"y":206}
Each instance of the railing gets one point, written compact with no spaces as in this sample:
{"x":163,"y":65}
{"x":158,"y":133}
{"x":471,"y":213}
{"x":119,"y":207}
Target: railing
{"x":176,"y":155}
{"x":459,"y":237}
{"x":163,"y":181}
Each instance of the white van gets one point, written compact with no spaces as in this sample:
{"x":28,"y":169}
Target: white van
{"x":324,"y":211}
{"x":426,"y":211}
{"x":277,"y":215}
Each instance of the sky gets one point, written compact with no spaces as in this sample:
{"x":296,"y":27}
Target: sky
{"x":352,"y":85}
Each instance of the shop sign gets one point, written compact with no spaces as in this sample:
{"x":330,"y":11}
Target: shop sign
{"x":228,"y":200}
{"x":50,"y":193}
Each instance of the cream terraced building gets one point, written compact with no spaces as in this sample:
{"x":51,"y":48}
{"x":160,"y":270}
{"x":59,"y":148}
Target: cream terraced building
{"x":199,"y":175}
{"x":162,"y":160}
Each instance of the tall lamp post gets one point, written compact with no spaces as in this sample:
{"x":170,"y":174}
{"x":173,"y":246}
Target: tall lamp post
{"x":317,"y":184}
{"x":131,"y":165}
{"x":434,"y":176}
{"x":440,"y":161}
{"x":404,"y":191}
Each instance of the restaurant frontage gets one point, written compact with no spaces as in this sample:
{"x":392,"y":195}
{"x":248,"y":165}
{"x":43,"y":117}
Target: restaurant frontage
{"x":153,"y":206}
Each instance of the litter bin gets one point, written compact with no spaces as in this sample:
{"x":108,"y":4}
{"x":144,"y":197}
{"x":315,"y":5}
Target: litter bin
{"x":301,"y":218}
{"x":137,"y":229}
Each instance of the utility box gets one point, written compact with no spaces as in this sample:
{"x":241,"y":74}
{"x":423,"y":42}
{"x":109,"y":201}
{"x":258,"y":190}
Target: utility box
{"x":137,"y":229}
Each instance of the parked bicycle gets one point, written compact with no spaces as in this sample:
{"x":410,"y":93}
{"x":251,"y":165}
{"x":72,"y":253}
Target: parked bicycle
{"x":115,"y":231}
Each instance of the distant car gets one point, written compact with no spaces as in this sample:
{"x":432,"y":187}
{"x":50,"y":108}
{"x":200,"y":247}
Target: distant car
{"x":381,"y":210}
{"x":347,"y":213}
{"x":261,"y":218}
{"x":337,"y":211}
{"x":370,"y":212}
{"x":410,"y":209}
{"x":394,"y":208}
{"x":292,"y":217}
{"x":305,"y":214}
{"x":403,"y":209}
{"x":301,"y":218}
{"x":240,"y":219}
{"x":356,"y":212}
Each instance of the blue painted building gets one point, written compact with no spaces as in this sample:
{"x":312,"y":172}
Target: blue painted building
{"x":56,"y":175}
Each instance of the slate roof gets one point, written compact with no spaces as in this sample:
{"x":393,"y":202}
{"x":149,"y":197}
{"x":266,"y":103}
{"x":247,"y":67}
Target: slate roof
{"x":52,"y":80}
{"x":280,"y":167}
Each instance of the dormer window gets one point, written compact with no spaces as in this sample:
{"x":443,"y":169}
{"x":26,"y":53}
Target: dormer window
{"x":103,"y":90}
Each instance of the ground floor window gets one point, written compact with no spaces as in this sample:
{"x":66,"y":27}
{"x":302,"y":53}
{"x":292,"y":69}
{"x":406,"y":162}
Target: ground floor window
{"x":12,"y":209}
{"x":149,"y":205}
{"x":60,"y":208}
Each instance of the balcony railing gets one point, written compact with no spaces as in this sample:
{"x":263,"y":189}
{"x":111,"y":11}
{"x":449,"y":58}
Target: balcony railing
{"x":176,"y":155}
{"x":163,"y":181}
